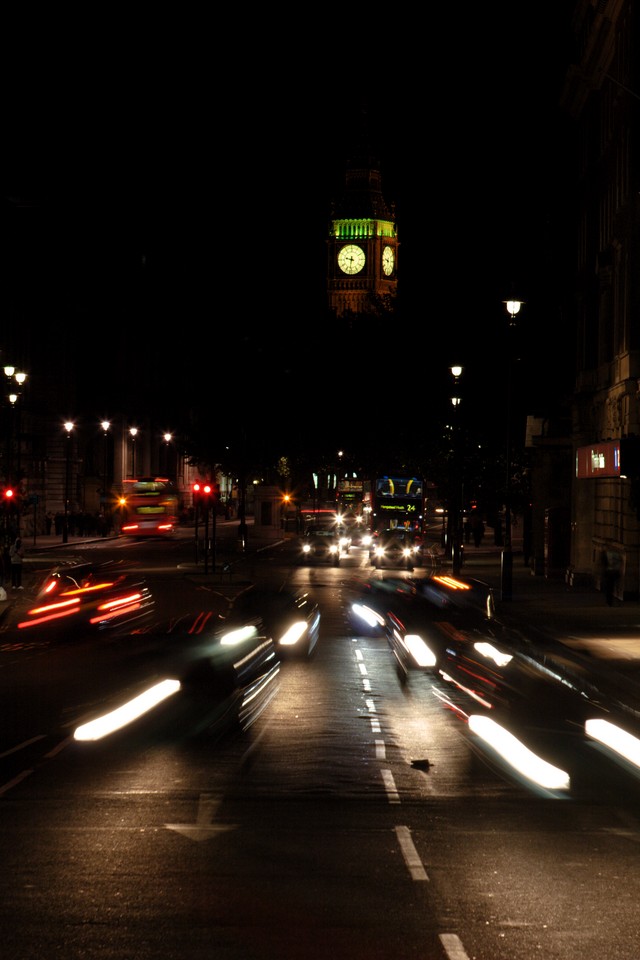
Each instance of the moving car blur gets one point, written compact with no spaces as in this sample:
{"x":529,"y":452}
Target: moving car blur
{"x":204,"y":679}
{"x":79,"y":598}
{"x":421,"y":617}
{"x":521,"y":703}
{"x":291,"y":618}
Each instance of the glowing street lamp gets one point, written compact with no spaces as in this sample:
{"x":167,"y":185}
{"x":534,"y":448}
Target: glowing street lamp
{"x":133,"y":432}
{"x":506,"y":568}
{"x":167,"y":457}
{"x":456,"y":485}
{"x":69,"y":425}
{"x":14,"y":377}
{"x":105,"y":424}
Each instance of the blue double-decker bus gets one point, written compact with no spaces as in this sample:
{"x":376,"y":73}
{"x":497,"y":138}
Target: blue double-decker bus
{"x":398,"y":502}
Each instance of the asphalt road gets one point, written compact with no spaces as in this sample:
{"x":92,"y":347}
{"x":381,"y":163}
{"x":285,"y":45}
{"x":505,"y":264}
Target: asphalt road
{"x":354,"y":819}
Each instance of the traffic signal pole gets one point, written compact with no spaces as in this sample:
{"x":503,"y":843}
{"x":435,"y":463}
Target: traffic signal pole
{"x":213,"y":535}
{"x":196,"y":510}
{"x":206,"y":534}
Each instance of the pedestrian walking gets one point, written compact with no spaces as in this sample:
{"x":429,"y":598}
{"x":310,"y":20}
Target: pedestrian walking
{"x":16,"y":555}
{"x":477,"y":528}
{"x":611,"y":575}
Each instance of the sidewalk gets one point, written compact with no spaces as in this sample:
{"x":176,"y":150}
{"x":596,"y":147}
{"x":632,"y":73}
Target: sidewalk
{"x":569,"y":630}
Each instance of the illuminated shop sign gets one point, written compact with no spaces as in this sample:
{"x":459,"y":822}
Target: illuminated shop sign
{"x":612,"y":458}
{"x":598,"y":460}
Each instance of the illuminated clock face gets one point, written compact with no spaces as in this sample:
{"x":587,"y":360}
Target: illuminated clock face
{"x":388,"y":261}
{"x":351,"y":259}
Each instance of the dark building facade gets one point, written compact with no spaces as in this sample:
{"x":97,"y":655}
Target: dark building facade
{"x":602,"y":96}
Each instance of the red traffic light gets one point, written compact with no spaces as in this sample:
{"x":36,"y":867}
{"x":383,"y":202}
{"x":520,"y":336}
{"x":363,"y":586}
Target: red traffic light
{"x":8,"y":493}
{"x":196,"y":487}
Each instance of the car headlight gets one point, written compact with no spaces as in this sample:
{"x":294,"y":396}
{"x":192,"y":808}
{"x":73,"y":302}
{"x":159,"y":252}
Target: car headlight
{"x":370,"y":617}
{"x":306,"y":548}
{"x":293,"y":634}
{"x":379,"y":551}
{"x":421,"y":653}
{"x":333,"y":548}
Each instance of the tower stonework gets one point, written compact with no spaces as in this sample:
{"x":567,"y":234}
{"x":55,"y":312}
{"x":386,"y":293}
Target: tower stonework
{"x":362,"y":262}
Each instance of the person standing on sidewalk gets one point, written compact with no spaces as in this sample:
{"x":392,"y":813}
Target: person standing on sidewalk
{"x":16,"y":555}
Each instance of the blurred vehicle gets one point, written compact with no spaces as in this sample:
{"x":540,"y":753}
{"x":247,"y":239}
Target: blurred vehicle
{"x":148,"y":507}
{"x":396,"y":548}
{"x":204,"y":680}
{"x":468,"y":593}
{"x":422,"y":618}
{"x":320,"y":546}
{"x":290,"y":618}
{"x":79,"y":598}
{"x":520,"y":710}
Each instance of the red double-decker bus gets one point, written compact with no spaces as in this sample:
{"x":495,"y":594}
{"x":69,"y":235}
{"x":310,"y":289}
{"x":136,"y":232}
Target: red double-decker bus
{"x":149,"y":507}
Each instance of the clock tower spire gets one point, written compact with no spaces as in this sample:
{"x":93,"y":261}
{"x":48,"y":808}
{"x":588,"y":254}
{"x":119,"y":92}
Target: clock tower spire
{"x":362,"y":244}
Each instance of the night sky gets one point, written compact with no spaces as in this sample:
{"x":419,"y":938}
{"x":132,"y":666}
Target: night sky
{"x":166,"y":208}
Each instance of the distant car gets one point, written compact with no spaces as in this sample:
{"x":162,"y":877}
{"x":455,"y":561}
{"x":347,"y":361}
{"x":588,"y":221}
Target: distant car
{"x":321,"y":546}
{"x":396,"y":548}
{"x":77,"y":599}
{"x":356,"y":532}
{"x":291,"y":618}
{"x":346,"y":539}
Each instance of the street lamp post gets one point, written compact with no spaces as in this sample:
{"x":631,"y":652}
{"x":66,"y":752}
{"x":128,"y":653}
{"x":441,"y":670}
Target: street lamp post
{"x":456,"y":505}
{"x":170,"y":473}
{"x":105,"y":512}
{"x":20,"y":380}
{"x":14,"y":395}
{"x":506,"y":565}
{"x":65,"y":524}
{"x":133,"y":431}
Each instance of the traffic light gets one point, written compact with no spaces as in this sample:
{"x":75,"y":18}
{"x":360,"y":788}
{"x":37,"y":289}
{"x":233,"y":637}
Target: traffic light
{"x":9,"y":494}
{"x":201,"y":494}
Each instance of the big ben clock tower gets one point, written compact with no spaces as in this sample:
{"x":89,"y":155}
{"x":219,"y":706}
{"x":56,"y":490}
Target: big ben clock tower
{"x":363,"y":242}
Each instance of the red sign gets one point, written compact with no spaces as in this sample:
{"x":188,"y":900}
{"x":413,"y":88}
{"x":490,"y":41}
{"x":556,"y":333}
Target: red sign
{"x":598,"y":460}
